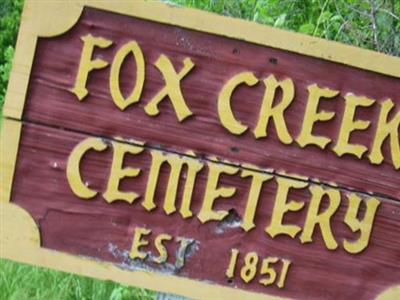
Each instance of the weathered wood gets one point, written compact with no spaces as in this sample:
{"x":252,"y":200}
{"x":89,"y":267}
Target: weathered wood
{"x":217,"y":59}
{"x":97,"y":229}
{"x":178,"y":186}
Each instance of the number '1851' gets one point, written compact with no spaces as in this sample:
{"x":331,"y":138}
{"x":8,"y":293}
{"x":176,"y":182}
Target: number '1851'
{"x":269,"y":268}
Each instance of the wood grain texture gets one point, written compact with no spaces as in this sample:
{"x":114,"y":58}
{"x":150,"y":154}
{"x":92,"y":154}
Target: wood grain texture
{"x":217,"y":59}
{"x":94,"y":228}
{"x":55,"y":122}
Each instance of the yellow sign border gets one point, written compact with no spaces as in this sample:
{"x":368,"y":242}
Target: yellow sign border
{"x":19,"y":235}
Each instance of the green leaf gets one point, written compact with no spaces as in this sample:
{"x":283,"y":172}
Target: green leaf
{"x":336,"y":18}
{"x":307,"y":28}
{"x":325,"y":17}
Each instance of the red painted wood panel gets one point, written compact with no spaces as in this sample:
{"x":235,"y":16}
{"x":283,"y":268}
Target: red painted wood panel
{"x":217,"y":59}
{"x":96,"y":229}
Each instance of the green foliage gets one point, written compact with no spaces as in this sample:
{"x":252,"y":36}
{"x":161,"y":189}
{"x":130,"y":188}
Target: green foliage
{"x":10,"y":13}
{"x":23,"y":282}
{"x":5,"y":69}
{"x":371,"y":24}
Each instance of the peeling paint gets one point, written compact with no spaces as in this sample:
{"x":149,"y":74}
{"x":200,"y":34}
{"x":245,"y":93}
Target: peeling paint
{"x":232,"y":220}
{"x":184,"y":252}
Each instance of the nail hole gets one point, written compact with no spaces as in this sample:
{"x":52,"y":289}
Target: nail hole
{"x":235,"y":51}
{"x":273,"y":60}
{"x":235,"y":149}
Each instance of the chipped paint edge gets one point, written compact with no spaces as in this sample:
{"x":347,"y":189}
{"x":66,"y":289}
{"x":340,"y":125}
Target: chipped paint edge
{"x":20,"y":241}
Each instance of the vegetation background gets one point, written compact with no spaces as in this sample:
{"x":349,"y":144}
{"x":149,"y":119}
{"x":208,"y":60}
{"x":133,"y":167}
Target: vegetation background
{"x":371,"y":24}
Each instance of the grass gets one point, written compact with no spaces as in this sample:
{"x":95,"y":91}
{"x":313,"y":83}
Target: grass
{"x":24,"y":282}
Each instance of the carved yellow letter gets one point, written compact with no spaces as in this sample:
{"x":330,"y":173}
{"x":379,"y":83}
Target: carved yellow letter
{"x":172,"y":88}
{"x":118,"y":98}
{"x":275,"y":112}
{"x":181,"y":253}
{"x":117,"y":173}
{"x":257,"y":181}
{"x":212,"y":192}
{"x":281,"y":207}
{"x":225,"y":112}
{"x":73,"y":166}
{"x":364,"y":226}
{"x":349,"y":125}
{"x":158,"y":242}
{"x":384,"y":130}
{"x":314,"y":217}
{"x":138,"y":242}
{"x":312,"y":115}
{"x":176,"y":163}
{"x":86,"y":64}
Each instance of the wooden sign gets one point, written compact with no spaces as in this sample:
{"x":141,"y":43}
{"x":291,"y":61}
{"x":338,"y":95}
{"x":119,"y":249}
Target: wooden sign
{"x":198,"y":155}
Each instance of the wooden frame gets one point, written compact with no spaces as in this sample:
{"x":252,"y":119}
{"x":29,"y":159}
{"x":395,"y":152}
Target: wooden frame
{"x":42,"y":19}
